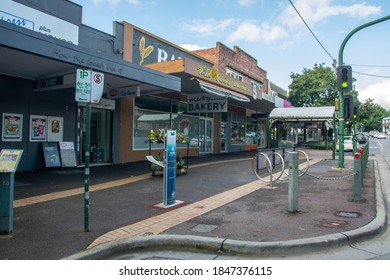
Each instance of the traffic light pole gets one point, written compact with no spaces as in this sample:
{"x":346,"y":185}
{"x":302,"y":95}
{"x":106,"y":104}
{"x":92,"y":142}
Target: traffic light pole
{"x":341,"y":94}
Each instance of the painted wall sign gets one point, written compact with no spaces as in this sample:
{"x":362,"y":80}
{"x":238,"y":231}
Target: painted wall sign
{"x":38,"y":21}
{"x":201,"y":103}
{"x":148,"y":49}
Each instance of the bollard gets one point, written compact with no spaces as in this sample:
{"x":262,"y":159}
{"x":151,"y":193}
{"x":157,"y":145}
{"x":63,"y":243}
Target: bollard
{"x":358,"y":182}
{"x":293,"y":181}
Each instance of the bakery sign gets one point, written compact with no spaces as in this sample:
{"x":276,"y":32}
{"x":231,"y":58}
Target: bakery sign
{"x":202,"y":103}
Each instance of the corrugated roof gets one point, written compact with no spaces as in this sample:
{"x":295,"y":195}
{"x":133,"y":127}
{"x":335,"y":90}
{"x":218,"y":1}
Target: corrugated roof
{"x":303,"y":113}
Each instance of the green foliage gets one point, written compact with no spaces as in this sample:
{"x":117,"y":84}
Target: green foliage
{"x":371,"y":116}
{"x":314,"y":87}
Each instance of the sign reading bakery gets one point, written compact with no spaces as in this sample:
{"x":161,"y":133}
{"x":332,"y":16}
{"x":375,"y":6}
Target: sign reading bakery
{"x":144,"y":48}
{"x":202,"y":103}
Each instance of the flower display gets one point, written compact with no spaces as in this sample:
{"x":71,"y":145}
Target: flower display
{"x":157,"y":137}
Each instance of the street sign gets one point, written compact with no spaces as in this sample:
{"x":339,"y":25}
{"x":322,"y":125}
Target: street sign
{"x":89,"y":86}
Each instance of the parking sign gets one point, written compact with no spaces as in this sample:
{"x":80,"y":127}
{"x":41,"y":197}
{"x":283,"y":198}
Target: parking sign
{"x":89,"y":86}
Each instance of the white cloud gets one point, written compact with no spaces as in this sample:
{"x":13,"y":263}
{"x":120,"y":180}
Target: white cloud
{"x":246,"y":3}
{"x":192,"y":47}
{"x":250,"y":32}
{"x":314,"y":11}
{"x":112,"y":3}
{"x":207,"y":27}
{"x":379,"y":91}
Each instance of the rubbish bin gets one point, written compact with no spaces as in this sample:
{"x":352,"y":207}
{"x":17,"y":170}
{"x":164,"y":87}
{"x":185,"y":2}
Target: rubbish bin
{"x":6,"y":202}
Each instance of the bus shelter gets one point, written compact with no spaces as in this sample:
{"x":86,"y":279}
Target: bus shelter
{"x":309,"y":126}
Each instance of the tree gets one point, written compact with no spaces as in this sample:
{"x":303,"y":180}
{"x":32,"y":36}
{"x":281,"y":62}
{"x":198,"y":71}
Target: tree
{"x":371,"y":116}
{"x":314,"y":87}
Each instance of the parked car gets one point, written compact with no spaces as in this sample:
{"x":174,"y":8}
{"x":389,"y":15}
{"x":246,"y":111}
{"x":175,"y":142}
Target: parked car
{"x":381,"y":136}
{"x":348,"y":143}
{"x":361,"y":138}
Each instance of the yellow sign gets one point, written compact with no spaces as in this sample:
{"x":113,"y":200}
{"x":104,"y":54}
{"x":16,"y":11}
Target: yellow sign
{"x":9,"y":160}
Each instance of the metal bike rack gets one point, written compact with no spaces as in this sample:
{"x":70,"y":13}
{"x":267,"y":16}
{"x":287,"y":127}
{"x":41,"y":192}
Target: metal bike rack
{"x":261,"y":161}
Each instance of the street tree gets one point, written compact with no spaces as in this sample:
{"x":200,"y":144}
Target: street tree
{"x":314,"y":87}
{"x":371,"y":116}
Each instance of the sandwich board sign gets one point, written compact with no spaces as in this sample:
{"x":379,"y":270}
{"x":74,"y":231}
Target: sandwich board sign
{"x":89,"y":86}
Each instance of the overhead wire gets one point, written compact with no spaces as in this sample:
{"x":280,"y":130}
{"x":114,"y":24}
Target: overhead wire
{"x":308,"y":27}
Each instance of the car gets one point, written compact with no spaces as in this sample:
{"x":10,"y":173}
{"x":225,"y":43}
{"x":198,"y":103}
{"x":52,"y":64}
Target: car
{"x":361,"y":138}
{"x":381,"y":136}
{"x":348,"y":143}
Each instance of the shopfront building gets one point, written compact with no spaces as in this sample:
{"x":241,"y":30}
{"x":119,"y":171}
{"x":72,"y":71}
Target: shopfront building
{"x":38,"y":80}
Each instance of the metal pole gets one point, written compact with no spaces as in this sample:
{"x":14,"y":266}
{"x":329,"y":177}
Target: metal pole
{"x":86,"y":160}
{"x":341,"y":94}
{"x":293,"y":181}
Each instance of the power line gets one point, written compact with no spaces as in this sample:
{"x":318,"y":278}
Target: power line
{"x":311,"y":30}
{"x":368,"y":65}
{"x":372,"y":75}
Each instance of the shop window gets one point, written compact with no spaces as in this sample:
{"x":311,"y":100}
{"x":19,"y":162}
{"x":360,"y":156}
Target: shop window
{"x":144,"y":122}
{"x":187,"y":127}
{"x":237,"y":133}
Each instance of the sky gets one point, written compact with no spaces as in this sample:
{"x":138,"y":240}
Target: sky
{"x":271,"y":31}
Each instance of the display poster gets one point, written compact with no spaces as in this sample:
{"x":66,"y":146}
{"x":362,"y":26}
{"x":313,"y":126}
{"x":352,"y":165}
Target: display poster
{"x":38,"y":128}
{"x":9,"y":160}
{"x":55,"y":129}
{"x":51,"y":154}
{"x":68,"y":155}
{"x":12,"y":127}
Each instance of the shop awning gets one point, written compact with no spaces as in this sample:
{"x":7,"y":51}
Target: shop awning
{"x":303,"y":113}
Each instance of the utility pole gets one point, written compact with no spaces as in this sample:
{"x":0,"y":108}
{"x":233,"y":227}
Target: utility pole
{"x":341,"y":94}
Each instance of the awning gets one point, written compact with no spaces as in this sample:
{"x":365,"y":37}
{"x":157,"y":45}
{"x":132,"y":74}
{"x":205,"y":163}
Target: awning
{"x":303,"y":113}
{"x":212,"y":89}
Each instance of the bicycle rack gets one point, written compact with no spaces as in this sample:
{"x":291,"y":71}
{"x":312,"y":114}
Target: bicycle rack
{"x":263,"y":161}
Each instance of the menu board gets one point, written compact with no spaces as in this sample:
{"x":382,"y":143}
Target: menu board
{"x":51,"y":154}
{"x":9,"y":160}
{"x":68,"y":155}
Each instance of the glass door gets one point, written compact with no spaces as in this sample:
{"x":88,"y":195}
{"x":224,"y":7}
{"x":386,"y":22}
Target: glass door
{"x":205,"y":136}
{"x":101,"y":135}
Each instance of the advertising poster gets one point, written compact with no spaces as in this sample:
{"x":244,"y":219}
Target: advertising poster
{"x":55,"y":130}
{"x":38,"y":127}
{"x":68,"y":155}
{"x":12,"y":127}
{"x":51,"y":154}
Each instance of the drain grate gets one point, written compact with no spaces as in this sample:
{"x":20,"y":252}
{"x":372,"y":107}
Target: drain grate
{"x":346,"y":214}
{"x":332,"y":224}
{"x":203,"y":228}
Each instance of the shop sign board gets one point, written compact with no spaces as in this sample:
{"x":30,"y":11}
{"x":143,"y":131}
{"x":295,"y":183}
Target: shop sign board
{"x":89,"y":86}
{"x":68,"y":155}
{"x":29,"y":18}
{"x":202,"y":103}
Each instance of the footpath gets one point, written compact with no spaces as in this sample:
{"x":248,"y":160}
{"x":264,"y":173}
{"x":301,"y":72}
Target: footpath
{"x":224,"y":209}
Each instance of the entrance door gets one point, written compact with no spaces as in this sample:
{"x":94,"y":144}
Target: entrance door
{"x":101,"y":135}
{"x":206,"y":136}
{"x":224,"y":132}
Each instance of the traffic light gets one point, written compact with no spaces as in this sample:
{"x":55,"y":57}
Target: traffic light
{"x":356,"y":115}
{"x":344,"y":78}
{"x":348,"y":107}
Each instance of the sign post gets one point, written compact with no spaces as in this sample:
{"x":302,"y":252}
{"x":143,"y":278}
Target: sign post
{"x":89,"y":89}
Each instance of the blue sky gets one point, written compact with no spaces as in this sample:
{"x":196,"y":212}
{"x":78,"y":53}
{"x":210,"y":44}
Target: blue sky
{"x":269,"y":30}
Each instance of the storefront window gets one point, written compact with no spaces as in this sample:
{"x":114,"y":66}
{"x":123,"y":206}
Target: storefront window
{"x":155,"y":114}
{"x":237,"y":129}
{"x":251,"y":135}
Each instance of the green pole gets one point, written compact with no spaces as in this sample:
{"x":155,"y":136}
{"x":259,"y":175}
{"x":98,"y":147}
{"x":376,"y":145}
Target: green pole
{"x":341,"y":94}
{"x":86,"y":160}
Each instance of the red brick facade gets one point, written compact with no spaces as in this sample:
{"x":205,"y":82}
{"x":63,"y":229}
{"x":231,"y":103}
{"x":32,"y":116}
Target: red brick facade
{"x":237,"y":60}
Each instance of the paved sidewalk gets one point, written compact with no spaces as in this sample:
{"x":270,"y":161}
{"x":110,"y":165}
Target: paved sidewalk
{"x":222,"y":200}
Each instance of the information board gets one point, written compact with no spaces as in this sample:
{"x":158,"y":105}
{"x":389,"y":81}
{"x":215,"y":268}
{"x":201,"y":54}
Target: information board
{"x":68,"y":155}
{"x":9,"y":160}
{"x":51,"y":154}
